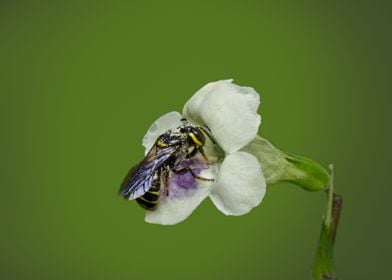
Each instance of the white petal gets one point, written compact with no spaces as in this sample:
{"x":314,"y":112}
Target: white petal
{"x":240,"y":184}
{"x":179,"y":205}
{"x":168,"y":121}
{"x":229,"y":110}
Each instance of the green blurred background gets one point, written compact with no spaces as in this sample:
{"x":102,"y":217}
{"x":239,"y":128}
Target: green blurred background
{"x":80,"y":83}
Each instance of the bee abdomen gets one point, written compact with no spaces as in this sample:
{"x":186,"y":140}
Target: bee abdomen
{"x":150,"y":199}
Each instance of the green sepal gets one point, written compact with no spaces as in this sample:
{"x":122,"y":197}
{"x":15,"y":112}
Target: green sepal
{"x":324,"y":266}
{"x":282,"y":166}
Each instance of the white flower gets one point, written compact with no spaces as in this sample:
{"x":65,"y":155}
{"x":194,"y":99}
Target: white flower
{"x":230,"y":112}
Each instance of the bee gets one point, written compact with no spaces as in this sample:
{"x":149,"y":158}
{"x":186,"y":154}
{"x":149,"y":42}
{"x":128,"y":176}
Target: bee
{"x":146,"y":180}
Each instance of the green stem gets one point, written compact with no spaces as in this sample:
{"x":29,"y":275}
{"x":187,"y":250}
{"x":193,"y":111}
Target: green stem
{"x":324,"y":266}
{"x":328,"y":218}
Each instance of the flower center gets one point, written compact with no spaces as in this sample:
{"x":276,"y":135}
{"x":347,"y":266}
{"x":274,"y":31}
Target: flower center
{"x":182,"y":183}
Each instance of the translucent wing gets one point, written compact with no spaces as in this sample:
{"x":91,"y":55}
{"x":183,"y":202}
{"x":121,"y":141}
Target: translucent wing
{"x":140,"y":177}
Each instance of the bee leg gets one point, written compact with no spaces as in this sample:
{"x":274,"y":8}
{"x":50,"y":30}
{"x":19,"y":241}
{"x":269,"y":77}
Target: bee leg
{"x":204,"y":155}
{"x":187,"y":169}
{"x":165,"y":182}
{"x":207,"y":131}
{"x":192,"y":154}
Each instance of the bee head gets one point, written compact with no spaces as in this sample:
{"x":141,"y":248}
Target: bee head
{"x":195,"y":135}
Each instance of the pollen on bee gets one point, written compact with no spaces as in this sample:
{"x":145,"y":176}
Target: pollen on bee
{"x":161,"y":144}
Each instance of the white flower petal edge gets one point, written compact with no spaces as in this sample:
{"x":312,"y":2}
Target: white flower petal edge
{"x":167,"y":121}
{"x":240,"y":184}
{"x":172,"y":210}
{"x":229,"y":110}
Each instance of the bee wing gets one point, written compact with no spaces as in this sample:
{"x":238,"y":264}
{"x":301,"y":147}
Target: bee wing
{"x":140,"y":177}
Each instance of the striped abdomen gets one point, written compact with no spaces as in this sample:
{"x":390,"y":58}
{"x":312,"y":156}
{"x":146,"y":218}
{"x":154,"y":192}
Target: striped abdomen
{"x":150,"y":199}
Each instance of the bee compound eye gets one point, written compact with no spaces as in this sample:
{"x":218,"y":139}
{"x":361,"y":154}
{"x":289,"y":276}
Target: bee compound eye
{"x":196,"y":136}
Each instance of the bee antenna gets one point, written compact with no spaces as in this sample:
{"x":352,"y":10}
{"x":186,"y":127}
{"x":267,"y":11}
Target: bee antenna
{"x":208,"y":132}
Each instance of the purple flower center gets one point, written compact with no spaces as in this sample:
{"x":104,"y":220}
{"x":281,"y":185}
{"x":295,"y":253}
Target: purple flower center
{"x":181,"y":184}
